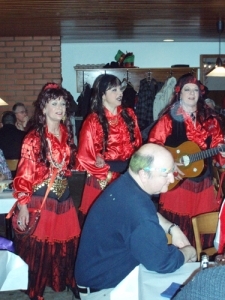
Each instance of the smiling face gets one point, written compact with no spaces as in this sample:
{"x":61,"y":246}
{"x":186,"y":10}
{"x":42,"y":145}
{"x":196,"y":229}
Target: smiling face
{"x":55,"y":110}
{"x":112,"y":98}
{"x":189,"y":96}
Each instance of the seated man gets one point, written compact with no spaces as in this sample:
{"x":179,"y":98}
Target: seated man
{"x":22,"y":120}
{"x":123,"y":229}
{"x":11,"y":138}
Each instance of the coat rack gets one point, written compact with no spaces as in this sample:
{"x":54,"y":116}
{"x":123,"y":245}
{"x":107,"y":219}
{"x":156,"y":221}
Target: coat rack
{"x":132,"y":75}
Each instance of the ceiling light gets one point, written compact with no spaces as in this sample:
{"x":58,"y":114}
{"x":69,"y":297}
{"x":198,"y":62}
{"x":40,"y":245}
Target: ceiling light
{"x":168,"y":40}
{"x":218,"y":70}
{"x":2,"y":102}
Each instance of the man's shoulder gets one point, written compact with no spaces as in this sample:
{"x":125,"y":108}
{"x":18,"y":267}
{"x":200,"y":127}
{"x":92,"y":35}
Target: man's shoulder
{"x":12,"y":129}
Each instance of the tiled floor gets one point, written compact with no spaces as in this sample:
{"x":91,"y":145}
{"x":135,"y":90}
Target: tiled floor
{"x":48,"y":295}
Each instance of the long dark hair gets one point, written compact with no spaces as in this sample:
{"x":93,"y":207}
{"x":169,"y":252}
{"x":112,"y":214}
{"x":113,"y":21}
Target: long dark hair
{"x":101,"y":84}
{"x":51,"y":91}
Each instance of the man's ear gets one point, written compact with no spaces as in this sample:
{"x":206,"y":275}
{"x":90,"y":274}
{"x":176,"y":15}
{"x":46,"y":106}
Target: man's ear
{"x":143,"y":175}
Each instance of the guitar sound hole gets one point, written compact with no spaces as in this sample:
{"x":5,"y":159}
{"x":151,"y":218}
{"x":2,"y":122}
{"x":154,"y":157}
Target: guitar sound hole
{"x":185,"y":160}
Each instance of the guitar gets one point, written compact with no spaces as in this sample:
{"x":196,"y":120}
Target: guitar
{"x":192,"y":158}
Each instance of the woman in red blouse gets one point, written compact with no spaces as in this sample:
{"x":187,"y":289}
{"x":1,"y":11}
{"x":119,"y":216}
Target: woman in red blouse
{"x":189,"y":119}
{"x":50,"y":251}
{"x":108,"y":137}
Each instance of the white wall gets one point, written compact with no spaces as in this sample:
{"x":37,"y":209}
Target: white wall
{"x":155,"y":55}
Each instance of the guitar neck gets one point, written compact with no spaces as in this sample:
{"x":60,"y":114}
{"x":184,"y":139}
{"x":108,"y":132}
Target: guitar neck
{"x":206,"y":153}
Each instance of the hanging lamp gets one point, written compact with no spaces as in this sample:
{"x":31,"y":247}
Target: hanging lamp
{"x":218,"y":70}
{"x":2,"y":102}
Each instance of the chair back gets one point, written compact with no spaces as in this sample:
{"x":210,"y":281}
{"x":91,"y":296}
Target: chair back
{"x":205,"y":224}
{"x":12,"y":164}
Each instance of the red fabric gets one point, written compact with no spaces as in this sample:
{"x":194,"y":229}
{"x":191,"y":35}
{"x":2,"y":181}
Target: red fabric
{"x":90,"y":145}
{"x":221,"y":248}
{"x":119,"y":145}
{"x":189,"y":198}
{"x":188,"y":202}
{"x":51,"y":251}
{"x":197,"y":134}
{"x":53,"y":223}
{"x":90,"y":194}
{"x":31,"y":172}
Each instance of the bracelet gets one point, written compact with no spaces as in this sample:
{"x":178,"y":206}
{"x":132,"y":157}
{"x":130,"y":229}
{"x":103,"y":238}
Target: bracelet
{"x":171,"y":226}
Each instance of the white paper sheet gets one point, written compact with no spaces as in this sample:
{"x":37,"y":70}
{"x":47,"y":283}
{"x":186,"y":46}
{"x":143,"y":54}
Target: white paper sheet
{"x":13,"y":272}
{"x":142,"y":284}
{"x":128,"y":288}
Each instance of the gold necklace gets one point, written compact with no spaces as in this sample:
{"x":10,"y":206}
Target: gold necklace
{"x":54,"y":163}
{"x":114,"y":121}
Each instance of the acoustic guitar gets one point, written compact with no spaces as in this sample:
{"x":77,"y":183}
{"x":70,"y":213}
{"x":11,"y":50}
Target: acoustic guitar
{"x":192,"y":158}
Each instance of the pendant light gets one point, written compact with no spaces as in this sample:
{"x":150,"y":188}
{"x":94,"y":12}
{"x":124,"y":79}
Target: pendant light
{"x":218,"y":70}
{"x":2,"y":102}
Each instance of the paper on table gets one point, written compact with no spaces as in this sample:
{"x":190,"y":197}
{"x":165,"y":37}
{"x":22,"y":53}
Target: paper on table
{"x":152,"y":284}
{"x":127,"y":288}
{"x":13,"y":272}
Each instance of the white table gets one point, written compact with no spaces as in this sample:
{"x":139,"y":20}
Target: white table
{"x":142,"y":284}
{"x":6,"y":202}
{"x":152,"y":284}
{"x":13,"y":272}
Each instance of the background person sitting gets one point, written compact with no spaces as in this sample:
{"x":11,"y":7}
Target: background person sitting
{"x":11,"y":138}
{"x":21,"y":114}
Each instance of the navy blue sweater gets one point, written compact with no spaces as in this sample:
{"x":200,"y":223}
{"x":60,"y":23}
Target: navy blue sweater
{"x":122,"y":231}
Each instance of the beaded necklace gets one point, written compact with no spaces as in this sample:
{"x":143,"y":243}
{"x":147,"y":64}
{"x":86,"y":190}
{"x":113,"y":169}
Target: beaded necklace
{"x":57,"y":165}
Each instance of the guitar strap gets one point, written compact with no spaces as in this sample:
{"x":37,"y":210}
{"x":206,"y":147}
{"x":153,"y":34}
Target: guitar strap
{"x":178,"y":134}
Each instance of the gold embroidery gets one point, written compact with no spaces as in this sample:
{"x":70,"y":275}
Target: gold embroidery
{"x":58,"y":187}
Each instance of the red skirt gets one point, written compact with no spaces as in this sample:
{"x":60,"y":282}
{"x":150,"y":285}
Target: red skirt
{"x":186,"y":201}
{"x":91,"y":191}
{"x":50,"y":251}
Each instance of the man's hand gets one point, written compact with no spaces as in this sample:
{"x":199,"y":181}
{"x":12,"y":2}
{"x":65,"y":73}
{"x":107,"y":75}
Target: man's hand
{"x":189,"y":253}
{"x":179,"y":239}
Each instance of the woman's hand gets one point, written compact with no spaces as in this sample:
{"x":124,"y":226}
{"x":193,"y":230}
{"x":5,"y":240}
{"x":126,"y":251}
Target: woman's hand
{"x":23,"y":217}
{"x":100,"y":162}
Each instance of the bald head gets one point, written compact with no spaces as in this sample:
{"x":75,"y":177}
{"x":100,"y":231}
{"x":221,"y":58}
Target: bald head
{"x":155,"y":162}
{"x":144,"y":157}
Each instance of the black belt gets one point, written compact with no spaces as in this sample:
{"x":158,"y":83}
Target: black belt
{"x":87,"y":290}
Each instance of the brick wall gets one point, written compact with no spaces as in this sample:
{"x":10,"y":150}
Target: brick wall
{"x":26,"y":64}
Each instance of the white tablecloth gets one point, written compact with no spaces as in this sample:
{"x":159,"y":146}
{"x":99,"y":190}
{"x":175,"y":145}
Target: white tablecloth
{"x":13,"y":272}
{"x":142,"y":284}
{"x":6,"y":202}
{"x":152,"y":284}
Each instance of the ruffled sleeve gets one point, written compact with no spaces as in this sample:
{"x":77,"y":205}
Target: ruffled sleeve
{"x":161,"y":130}
{"x":26,"y":175}
{"x":90,"y":145}
{"x":119,"y":146}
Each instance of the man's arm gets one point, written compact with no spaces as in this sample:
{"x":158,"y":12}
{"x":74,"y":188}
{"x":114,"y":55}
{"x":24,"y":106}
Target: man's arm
{"x":178,"y":238}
